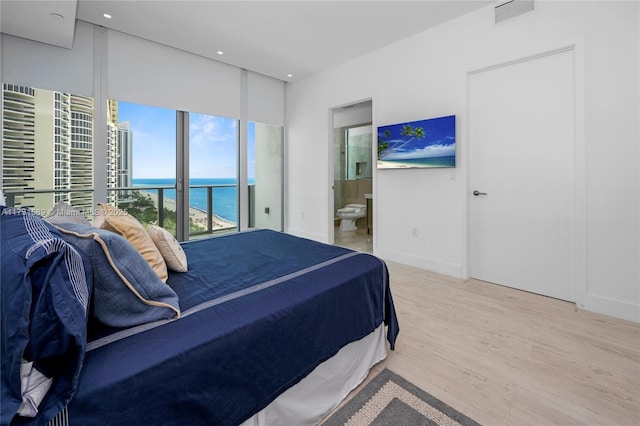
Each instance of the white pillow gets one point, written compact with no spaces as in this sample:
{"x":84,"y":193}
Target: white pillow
{"x":170,"y":249}
{"x":63,"y":212}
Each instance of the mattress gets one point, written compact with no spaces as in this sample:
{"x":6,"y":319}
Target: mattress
{"x":261,"y":310}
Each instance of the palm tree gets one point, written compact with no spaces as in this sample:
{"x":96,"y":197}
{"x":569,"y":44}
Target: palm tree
{"x":407,"y":131}
{"x":382,"y":146}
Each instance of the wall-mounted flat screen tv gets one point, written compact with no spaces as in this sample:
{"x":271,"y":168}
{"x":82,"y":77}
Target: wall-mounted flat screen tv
{"x":429,"y":143}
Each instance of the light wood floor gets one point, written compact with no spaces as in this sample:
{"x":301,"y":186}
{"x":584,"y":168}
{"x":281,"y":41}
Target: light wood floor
{"x":508,"y":357}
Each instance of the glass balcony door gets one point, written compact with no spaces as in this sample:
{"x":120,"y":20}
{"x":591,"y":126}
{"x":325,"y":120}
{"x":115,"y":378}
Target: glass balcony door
{"x":176,"y":169}
{"x":142,"y":146}
{"x":212,"y":174}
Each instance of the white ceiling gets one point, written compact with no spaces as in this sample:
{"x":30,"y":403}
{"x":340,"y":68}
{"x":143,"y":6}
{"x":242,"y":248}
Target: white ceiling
{"x":275,"y":38}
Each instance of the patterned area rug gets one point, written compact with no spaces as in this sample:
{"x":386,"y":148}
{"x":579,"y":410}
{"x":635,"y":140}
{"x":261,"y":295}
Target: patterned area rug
{"x":388,"y":399}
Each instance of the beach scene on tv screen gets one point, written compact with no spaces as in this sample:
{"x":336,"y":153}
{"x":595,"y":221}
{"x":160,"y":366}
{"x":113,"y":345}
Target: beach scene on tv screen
{"x":426,"y":143}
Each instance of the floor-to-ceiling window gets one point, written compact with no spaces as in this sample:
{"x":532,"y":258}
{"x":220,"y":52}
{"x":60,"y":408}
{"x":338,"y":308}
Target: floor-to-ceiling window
{"x":98,"y":145}
{"x":47,"y":148}
{"x":146,"y":182}
{"x":213,"y":174}
{"x":48,"y":157}
{"x":142,"y":180}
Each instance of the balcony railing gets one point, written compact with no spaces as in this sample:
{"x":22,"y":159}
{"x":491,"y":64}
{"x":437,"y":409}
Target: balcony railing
{"x":10,"y":196}
{"x":201,"y":222}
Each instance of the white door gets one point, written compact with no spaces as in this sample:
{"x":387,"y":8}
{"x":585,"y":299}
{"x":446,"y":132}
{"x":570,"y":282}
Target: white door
{"x":521,"y":141}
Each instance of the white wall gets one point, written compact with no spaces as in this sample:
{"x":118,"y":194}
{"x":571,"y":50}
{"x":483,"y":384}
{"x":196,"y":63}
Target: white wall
{"x":352,"y":115}
{"x":426,"y":76}
{"x":268,"y":170}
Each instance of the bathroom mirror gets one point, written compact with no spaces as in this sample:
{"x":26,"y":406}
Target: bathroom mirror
{"x":358,"y":152}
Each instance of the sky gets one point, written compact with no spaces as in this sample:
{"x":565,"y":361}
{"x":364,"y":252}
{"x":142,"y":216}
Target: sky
{"x":212,"y":143}
{"x":439,"y":139}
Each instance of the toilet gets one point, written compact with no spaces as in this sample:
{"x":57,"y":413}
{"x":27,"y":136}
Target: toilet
{"x":349,"y":214}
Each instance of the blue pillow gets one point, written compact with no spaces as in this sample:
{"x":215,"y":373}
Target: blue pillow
{"x":127,"y":291}
{"x":45,"y":292}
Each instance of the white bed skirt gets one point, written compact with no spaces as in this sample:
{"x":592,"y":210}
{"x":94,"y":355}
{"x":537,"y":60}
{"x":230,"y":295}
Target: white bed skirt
{"x":326,"y":386}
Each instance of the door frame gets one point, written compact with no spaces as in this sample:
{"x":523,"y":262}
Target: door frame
{"x":332,"y":161}
{"x":579,"y":207}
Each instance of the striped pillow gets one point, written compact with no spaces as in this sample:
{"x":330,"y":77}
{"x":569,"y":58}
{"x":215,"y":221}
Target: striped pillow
{"x":127,"y":291}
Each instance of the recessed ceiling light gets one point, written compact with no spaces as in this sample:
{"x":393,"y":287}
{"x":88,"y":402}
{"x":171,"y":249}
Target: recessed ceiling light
{"x":289,"y":75}
{"x":220,"y":52}
{"x":56,"y":15}
{"x":106,"y":15}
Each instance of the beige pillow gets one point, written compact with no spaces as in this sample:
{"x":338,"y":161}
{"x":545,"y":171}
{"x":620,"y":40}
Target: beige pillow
{"x":169,"y":247}
{"x":122,"y":223}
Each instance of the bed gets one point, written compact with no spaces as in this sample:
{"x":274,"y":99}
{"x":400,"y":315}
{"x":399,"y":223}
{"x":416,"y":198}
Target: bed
{"x":272,"y":329}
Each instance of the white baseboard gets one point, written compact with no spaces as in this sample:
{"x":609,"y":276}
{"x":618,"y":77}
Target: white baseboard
{"x":422,"y":262}
{"x":305,"y":234}
{"x":599,"y":304}
{"x":613,"y":308}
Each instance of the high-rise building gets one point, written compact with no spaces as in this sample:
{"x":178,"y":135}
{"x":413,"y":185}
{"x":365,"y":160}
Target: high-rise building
{"x":112,"y":106}
{"x":47,"y":145}
{"x":81,"y":151}
{"x":56,"y":126}
{"x":125,"y":160}
{"x":112,"y":151}
{"x":18,"y":141}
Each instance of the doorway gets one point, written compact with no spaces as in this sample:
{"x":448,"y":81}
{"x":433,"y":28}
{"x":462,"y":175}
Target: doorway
{"x":352,"y":176}
{"x":522,"y":175}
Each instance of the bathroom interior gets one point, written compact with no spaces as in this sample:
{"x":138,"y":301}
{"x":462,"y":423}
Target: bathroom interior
{"x":353,"y":186}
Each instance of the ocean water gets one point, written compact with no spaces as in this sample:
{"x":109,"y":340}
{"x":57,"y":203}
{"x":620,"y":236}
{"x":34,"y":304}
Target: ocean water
{"x":225,"y":199}
{"x":447,"y":161}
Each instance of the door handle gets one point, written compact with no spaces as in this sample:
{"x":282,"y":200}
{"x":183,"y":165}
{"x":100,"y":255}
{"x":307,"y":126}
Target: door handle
{"x":476,"y":193}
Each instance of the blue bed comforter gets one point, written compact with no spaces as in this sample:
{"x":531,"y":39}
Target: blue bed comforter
{"x":45,"y":287}
{"x":260,"y":310}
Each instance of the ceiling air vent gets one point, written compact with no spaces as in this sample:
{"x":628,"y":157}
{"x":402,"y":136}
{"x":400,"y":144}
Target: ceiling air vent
{"x":511,"y":9}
